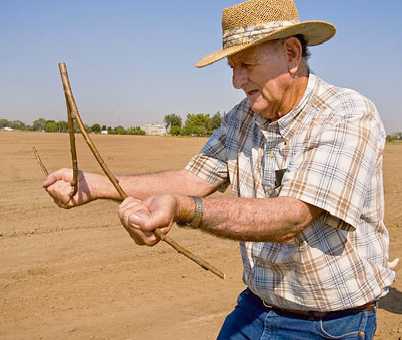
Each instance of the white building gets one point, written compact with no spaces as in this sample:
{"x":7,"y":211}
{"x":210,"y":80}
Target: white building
{"x":7,"y":128}
{"x":154,"y":129}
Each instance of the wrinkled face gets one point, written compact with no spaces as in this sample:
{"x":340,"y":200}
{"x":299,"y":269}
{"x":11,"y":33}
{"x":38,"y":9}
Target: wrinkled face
{"x":262,"y":73}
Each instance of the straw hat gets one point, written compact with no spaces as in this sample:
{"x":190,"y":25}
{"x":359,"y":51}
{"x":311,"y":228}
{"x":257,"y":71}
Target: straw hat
{"x":255,"y":21}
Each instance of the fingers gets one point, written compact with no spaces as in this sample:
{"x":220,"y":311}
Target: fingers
{"x":59,"y":175}
{"x":133,"y":214}
{"x":137,"y":239}
{"x":58,"y":186}
{"x":60,"y":191}
{"x":129,"y":201}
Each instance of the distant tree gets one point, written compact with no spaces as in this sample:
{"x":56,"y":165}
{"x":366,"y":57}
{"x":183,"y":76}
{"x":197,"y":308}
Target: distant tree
{"x":172,"y":120}
{"x":119,"y":130}
{"x":197,"y":124}
{"x":135,"y":130}
{"x":14,"y":124}
{"x":109,"y":130}
{"x":17,"y":125}
{"x":39,"y":124}
{"x":95,"y":128}
{"x":216,"y":121}
{"x":104,"y":128}
{"x":51,"y":126}
{"x":4,"y":122}
{"x":394,"y":137}
{"x":176,"y":130}
{"x":62,"y":126}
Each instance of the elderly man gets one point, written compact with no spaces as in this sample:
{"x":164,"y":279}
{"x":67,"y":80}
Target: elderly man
{"x":304,"y":159}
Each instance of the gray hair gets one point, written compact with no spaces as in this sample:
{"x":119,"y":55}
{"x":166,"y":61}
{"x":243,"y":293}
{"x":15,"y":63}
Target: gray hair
{"x":306,"y":54}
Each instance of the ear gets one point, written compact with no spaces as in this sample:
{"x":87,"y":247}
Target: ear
{"x":293,"y":51}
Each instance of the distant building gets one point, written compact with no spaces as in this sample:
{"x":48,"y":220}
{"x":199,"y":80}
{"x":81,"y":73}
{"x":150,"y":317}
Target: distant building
{"x":7,"y":128}
{"x":104,"y":132}
{"x":154,"y":129}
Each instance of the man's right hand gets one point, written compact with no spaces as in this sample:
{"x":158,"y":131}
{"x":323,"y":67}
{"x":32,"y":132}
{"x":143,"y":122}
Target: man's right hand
{"x":58,"y":186}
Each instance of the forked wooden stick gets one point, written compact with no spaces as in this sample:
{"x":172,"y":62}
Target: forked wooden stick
{"x":75,"y":115}
{"x":41,"y":165}
{"x":73,"y":150}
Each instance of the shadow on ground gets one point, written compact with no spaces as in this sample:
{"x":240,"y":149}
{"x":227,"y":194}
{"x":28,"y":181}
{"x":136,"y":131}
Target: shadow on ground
{"x":392,"y":302}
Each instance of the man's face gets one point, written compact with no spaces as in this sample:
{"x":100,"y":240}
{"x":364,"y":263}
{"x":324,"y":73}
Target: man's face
{"x":262,"y":73}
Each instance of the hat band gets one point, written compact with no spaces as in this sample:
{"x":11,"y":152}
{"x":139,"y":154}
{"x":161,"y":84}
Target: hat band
{"x":248,"y":34}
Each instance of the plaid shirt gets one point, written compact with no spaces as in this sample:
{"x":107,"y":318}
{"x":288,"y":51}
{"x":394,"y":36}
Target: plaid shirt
{"x":327,"y":152}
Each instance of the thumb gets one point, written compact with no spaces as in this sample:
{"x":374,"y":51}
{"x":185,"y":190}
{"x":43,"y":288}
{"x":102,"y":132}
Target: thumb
{"x":51,"y":179}
{"x":59,"y":175}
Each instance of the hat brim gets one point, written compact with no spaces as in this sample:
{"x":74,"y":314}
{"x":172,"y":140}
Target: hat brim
{"x":315,"y":33}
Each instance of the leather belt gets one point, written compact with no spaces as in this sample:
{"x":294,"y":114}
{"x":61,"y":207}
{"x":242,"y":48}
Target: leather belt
{"x":316,"y":315}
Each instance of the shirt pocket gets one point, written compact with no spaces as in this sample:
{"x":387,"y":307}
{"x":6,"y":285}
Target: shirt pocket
{"x":272,"y":182}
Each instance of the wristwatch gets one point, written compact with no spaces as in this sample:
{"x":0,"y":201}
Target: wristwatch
{"x":197,"y":215}
{"x":198,"y":212}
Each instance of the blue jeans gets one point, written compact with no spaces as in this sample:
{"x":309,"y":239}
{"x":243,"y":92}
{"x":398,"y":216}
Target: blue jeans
{"x":252,"y":320}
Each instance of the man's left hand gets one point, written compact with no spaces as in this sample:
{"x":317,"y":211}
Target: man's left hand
{"x":141,"y":218}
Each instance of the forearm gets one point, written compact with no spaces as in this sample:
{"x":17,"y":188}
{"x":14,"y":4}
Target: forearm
{"x":260,"y":220}
{"x":180,"y":182}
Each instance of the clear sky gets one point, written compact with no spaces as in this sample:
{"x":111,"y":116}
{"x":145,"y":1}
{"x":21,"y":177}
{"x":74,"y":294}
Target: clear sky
{"x":131,"y":61}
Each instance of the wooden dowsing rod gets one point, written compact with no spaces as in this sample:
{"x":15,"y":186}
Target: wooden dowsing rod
{"x":74,"y":115}
{"x":73,"y":149}
{"x":41,"y":165}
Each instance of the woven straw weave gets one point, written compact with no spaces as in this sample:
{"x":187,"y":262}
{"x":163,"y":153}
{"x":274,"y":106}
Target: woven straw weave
{"x":250,"y":13}
{"x":253,"y":22}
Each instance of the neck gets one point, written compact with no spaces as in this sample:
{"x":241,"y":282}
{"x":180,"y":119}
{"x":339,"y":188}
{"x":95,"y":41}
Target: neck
{"x":293,"y":95}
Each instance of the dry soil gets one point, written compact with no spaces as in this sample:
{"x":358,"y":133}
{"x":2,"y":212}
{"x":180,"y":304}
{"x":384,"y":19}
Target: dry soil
{"x":75,"y":274}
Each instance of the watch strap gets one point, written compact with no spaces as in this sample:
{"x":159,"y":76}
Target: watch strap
{"x":198,"y":212}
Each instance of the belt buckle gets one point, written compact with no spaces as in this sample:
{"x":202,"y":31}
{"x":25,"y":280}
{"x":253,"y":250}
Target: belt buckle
{"x":318,"y":315}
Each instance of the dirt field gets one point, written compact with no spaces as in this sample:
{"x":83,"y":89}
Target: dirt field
{"x":77,"y":275}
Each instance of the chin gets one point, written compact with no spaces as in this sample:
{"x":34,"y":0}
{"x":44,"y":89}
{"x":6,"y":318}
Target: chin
{"x":265,"y":114}
{"x":258,"y":105}
{"x":258,"y":109}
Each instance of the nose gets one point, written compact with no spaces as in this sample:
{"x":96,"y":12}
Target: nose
{"x":239,"y":77}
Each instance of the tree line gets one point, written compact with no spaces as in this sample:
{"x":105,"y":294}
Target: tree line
{"x":61,"y":126}
{"x":196,"y":124}
{"x":395,"y":137}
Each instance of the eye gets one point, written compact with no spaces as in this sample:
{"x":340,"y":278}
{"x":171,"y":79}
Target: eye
{"x":247,"y":65}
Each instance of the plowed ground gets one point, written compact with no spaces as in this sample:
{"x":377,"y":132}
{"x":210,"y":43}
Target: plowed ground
{"x":75,"y":274}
